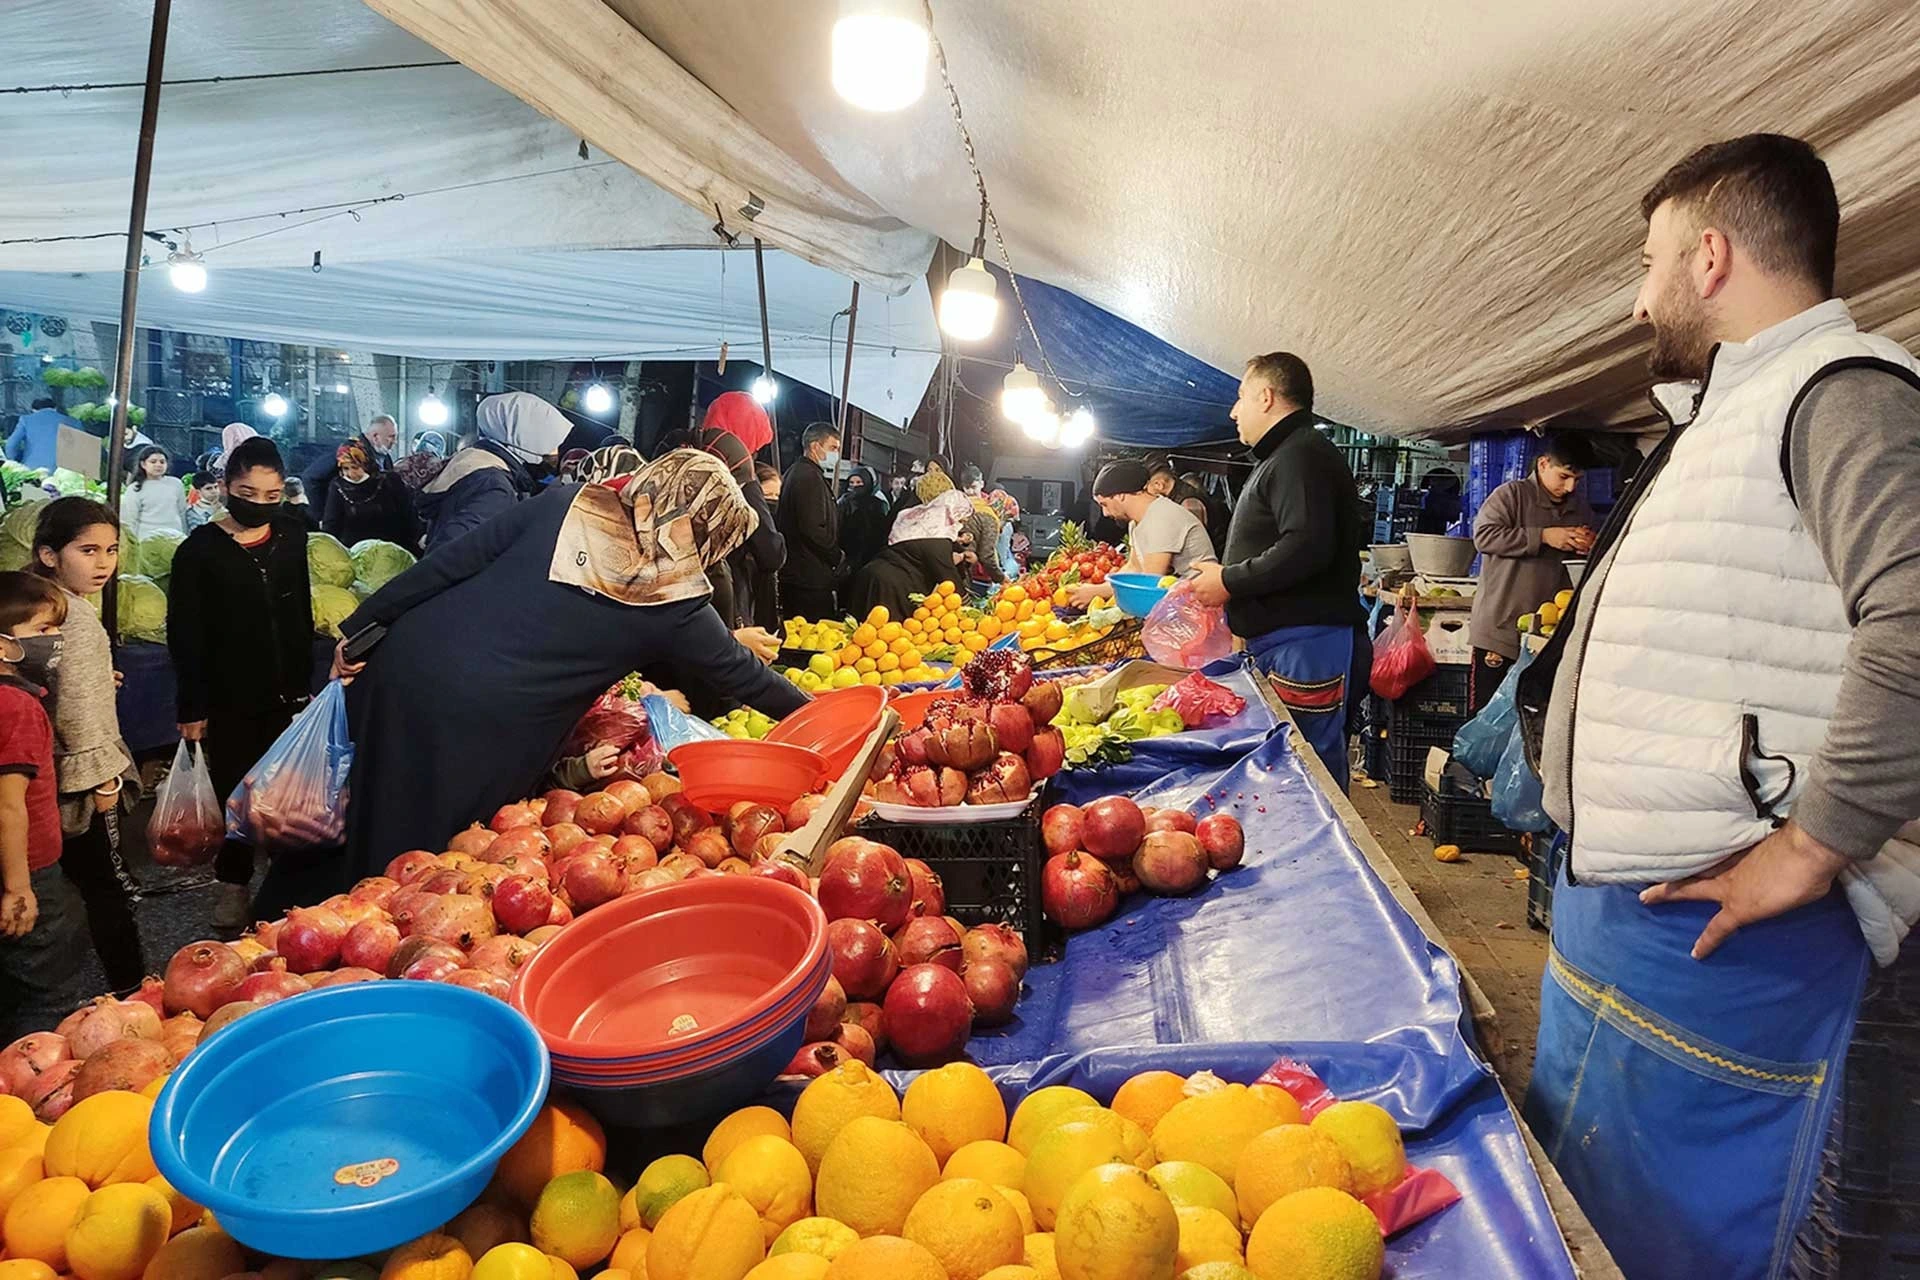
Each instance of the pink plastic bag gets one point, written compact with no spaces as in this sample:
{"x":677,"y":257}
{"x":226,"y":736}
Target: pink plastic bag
{"x":1401,"y":658}
{"x":620,"y":718}
{"x":1182,"y":632}
{"x":1416,"y":1197}
{"x":1199,"y":699}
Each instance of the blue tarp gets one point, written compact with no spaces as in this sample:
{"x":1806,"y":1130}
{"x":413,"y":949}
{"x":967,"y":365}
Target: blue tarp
{"x":1192,"y":754}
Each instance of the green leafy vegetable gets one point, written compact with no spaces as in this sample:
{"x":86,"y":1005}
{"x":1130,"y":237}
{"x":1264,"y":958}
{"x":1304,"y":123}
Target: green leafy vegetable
{"x":143,"y":609}
{"x":331,"y":607}
{"x":329,"y":564}
{"x":153,"y":554}
{"x":376,"y":562}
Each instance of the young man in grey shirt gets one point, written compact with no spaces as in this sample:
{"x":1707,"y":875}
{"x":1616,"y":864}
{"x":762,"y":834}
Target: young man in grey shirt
{"x":1162,"y":536}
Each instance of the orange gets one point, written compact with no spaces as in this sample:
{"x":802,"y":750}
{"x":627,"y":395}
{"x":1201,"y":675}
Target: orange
{"x":480,"y":1227}
{"x":1015,"y":593}
{"x":865,"y":635}
{"x":16,"y":1120}
{"x":37,"y":1221}
{"x":185,"y":1211}
{"x":102,"y":1139}
{"x":1040,"y":1110}
{"x":968,"y":1226}
{"x":1116,"y":1225}
{"x":871,"y":1175}
{"x":20,"y":1168}
{"x":946,"y":588}
{"x":1146,"y":1097}
{"x":562,"y":1139}
{"x":1318,"y":1232}
{"x":431,"y":1257}
{"x":1213,"y":1125}
{"x":849,"y":655}
{"x":1285,"y":1159}
{"x":891,"y":632}
{"x":712,"y":1234}
{"x":888,"y":662}
{"x":832,"y":1100}
{"x":1004,"y":611}
{"x":913,"y":626}
{"x":952,"y":635}
{"x":876,"y":650}
{"x":993,"y":1162}
{"x":885,"y":1258}
{"x":974,"y":641}
{"x":952,"y":1106}
{"x":198,"y":1253}
{"x":878,"y":616}
{"x":630,"y":1254}
{"x":28,"y":1269}
{"x":118,"y":1231}
{"x":748,"y":1122}
{"x":577,"y":1218}
{"x":989,"y":626}
{"x":791,"y":1266}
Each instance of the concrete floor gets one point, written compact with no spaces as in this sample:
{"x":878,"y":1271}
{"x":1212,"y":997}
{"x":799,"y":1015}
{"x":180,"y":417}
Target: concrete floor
{"x":1479,"y":905}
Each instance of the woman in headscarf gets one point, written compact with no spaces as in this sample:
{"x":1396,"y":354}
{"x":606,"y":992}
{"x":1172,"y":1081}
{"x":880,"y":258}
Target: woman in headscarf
{"x":934,"y":483}
{"x":498,"y":642}
{"x":864,"y":518}
{"x":365,"y":502}
{"x":752,"y":566}
{"x":939,"y":518}
{"x":519,"y":434}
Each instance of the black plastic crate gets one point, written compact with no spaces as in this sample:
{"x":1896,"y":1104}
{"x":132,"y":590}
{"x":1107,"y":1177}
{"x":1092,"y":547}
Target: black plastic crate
{"x":1409,"y":735}
{"x":1444,"y":693}
{"x":1118,"y":645}
{"x":1543,"y":868}
{"x":1823,"y":1250}
{"x":1467,"y":821}
{"x":990,"y":870}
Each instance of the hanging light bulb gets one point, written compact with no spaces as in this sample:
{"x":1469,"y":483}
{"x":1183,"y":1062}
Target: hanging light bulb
{"x":342,"y":389}
{"x":1046,"y":428}
{"x":1077,"y":428}
{"x":969,"y":306}
{"x":274,"y":405}
{"x":1020,"y":393}
{"x":432,"y":410}
{"x":186,"y":270}
{"x":765,"y":390}
{"x":598,"y":399}
{"x":880,"y":53}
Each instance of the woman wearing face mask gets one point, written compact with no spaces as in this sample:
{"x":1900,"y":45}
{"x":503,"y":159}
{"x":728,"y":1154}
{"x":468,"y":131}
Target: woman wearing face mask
{"x":152,"y":500}
{"x":364,"y":502}
{"x":520,"y":434}
{"x":552,"y":602}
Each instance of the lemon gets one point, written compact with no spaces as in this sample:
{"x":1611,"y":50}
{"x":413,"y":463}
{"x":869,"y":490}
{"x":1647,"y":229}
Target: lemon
{"x":1012,"y":1271}
{"x":1021,"y":1205}
{"x":886,"y":1258}
{"x":968,"y":1226}
{"x":1062,"y":1154}
{"x":709,"y":1234}
{"x":1037,"y":1253}
{"x":1211,"y":1127}
{"x":1039,"y":1109}
{"x":952,"y":1106}
{"x":1133,"y":1138}
{"x":513,"y":1261}
{"x":993,"y":1162}
{"x":1206,"y":1235}
{"x":1195,"y":1186}
{"x":790,"y":1266}
{"x":577,"y":1217}
{"x":117,"y":1231}
{"x":1370,"y":1140}
{"x":662,"y":1184}
{"x":16,"y":1120}
{"x":872,"y":1173}
{"x":748,"y":1122}
{"x":1316,"y":1234}
{"x":825,"y":1106}
{"x":823,"y":1236}
{"x":1116,"y":1225}
{"x":772,"y":1174}
{"x":1283,"y":1160}
{"x":1217,"y":1271}
{"x":630,"y":1253}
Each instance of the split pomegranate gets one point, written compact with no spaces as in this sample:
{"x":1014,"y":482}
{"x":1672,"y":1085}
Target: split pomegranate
{"x":28,"y":1058}
{"x":1004,"y":780}
{"x":965,"y":745}
{"x":1170,"y":863}
{"x":1061,"y":827}
{"x":751,"y":824}
{"x":1077,"y":891}
{"x":125,"y":1064}
{"x":863,"y":958}
{"x":995,"y":942}
{"x":106,"y":1020}
{"x":927,"y":894}
{"x":928,"y":1015}
{"x":1221,"y":836}
{"x":828,"y":1008}
{"x":560,"y":806}
{"x":370,"y":945}
{"x":867,"y":883}
{"x":509,"y":816}
{"x":652,"y":823}
{"x":1114,"y":827}
{"x":993,"y":990}
{"x":998,"y":675}
{"x":201,"y":977}
{"x":310,"y":940}
{"x":928,"y":940}
{"x":51,"y":1093}
{"x":912,"y":749}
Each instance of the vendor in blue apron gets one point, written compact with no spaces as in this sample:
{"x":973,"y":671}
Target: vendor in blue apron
{"x":1290,"y":575}
{"x":1726,"y":724}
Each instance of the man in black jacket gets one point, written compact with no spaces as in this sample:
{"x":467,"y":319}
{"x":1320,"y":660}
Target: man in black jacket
{"x":810,"y":522}
{"x":1290,"y":575}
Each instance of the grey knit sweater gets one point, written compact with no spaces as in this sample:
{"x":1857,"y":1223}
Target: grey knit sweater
{"x":87,"y":747}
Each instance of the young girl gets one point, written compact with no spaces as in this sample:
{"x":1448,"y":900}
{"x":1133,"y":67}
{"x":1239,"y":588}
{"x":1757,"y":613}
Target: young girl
{"x":154,"y":500}
{"x":77,"y":546}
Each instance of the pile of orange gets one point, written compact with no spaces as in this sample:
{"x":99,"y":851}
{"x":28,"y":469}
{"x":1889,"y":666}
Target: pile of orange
{"x":944,"y":618}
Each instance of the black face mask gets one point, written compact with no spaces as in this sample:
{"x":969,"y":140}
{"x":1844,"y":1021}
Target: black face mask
{"x":39,"y":656}
{"x":249,"y":514}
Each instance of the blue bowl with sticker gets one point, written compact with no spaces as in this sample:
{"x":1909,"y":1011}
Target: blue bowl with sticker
{"x":351,"y":1119}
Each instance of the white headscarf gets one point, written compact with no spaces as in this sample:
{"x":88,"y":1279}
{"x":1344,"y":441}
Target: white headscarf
{"x":940,"y":518}
{"x":526,"y":425}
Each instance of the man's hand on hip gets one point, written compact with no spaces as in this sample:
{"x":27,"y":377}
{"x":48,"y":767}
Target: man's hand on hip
{"x":1786,"y":870}
{"x":1208,"y":586}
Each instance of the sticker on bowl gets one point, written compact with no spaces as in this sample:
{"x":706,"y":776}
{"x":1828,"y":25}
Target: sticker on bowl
{"x":367,"y":1173}
{"x":683,"y":1024}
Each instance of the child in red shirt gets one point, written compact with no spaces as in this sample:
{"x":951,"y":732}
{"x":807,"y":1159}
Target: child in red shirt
{"x":41,"y":944}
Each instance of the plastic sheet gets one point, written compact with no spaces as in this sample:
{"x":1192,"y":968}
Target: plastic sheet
{"x":1189,"y":755}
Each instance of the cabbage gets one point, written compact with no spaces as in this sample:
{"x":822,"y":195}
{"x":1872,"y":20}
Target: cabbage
{"x":153,"y":554}
{"x":360,"y":590}
{"x":376,"y":562}
{"x":69,"y":483}
{"x":328,"y":563}
{"x":143,"y":609}
{"x":18,"y":527}
{"x":331,"y":607}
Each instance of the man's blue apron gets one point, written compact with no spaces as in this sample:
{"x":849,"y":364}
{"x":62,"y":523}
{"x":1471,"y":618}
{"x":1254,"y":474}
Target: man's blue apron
{"x":1686,"y":1102}
{"x":1310,"y":670}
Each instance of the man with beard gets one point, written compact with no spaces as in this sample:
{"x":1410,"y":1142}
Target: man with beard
{"x":1725,"y":724}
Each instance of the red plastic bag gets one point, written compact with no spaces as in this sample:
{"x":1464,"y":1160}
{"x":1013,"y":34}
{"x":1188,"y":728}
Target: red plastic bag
{"x":1401,"y":658}
{"x":1198,"y":699}
{"x":187,"y":828}
{"x":1416,"y":1197}
{"x":1182,"y":632}
{"x":619,"y":717}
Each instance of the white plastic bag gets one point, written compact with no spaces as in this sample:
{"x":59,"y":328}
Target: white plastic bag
{"x":186,"y":829}
{"x":295,"y":797}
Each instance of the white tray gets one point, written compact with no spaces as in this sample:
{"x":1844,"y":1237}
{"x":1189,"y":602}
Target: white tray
{"x":962,"y":814}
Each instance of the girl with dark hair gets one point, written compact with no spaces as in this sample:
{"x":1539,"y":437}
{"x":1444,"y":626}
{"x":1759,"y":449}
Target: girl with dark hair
{"x":153,"y":500}
{"x":77,"y":547}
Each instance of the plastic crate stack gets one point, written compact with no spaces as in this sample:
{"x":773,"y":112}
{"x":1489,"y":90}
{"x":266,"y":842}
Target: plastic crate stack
{"x":989,"y":870}
{"x":1467,"y":821}
{"x":1544,"y":860}
{"x":1427,"y":716}
{"x":1865,"y":1217}
{"x":1396,"y":512}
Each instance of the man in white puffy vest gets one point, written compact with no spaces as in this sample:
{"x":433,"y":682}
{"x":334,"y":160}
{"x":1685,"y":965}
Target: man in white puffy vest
{"x":1727,"y":727}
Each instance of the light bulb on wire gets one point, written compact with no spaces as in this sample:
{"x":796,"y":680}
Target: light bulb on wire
{"x":1021,"y":394}
{"x":970,"y":306}
{"x":765,"y":390}
{"x":274,"y":405}
{"x":880,"y":52}
{"x":186,"y":270}
{"x":432,"y":410}
{"x":598,"y":399}
{"x":1077,"y":428}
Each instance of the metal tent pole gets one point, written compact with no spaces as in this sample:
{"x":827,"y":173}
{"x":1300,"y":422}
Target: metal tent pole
{"x":766,"y":345}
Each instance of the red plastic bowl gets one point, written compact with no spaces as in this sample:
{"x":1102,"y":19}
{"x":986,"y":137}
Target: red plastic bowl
{"x":912,"y":707}
{"x":669,"y":974}
{"x":834,"y":724}
{"x":722,"y":771}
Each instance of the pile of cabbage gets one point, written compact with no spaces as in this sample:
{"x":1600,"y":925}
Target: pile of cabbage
{"x":342,"y":578}
{"x":143,"y":609}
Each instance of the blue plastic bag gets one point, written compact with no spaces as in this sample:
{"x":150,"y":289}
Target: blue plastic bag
{"x":1482,"y":740}
{"x":295,"y":797}
{"x":672,"y":727}
{"x":1516,"y":789}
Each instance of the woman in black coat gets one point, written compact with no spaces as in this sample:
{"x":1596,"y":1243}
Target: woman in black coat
{"x":499,"y":641}
{"x":364,"y":502}
{"x":906,"y":569}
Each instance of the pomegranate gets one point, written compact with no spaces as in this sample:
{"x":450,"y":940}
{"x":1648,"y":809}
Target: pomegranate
{"x":1123,"y":875}
{"x":28,"y":1058}
{"x":1011,"y":725}
{"x":106,"y":1020}
{"x":590,"y":879}
{"x":928,"y":1015}
{"x":1221,"y":836}
{"x":801,"y":811}
{"x":863,"y":958}
{"x":376,"y":891}
{"x":350,"y":974}
{"x":271,"y":984}
{"x":635,"y":853}
{"x":126,"y":1064}
{"x":1061,"y":827}
{"x":871,"y":1019}
{"x":1077,"y":891}
{"x":660,"y":785}
{"x":531,"y":868}
{"x":845,"y":843}
{"x":965,"y":745}
{"x":768,"y":846}
{"x":539,"y":937}
{"x":560,"y":806}
{"x":755,"y":821}
{"x":1170,"y":820}
{"x":828,"y":1008}
{"x":927,"y":894}
{"x":310,"y":940}
{"x":179,"y":1034}
{"x":414,"y":862}
{"x":423,"y":957}
{"x":915,"y":786}
{"x":521,"y":903}
{"x":995,"y":942}
{"x":600,"y":813}
{"x":1003,"y":781}
{"x":370,"y":945}
{"x":911,"y":748}
{"x":354,"y":912}
{"x":867,"y":883}
{"x":685,"y":816}
{"x":201,"y":977}
{"x":1114,"y":827}
{"x":267,"y":932}
{"x":248,"y":949}
{"x":229,"y":1013}
{"x":993,"y":989}
{"x":1042,"y":702}
{"x":1046,"y":754}
{"x":928,"y":940}
{"x":815,"y":1059}
{"x":953,"y":787}
{"x":51,"y":1093}
{"x":478,"y":980}
{"x":998,"y":675}
{"x":1170,"y":863}
{"x":681,"y":865}
{"x":708,"y":845}
{"x":454,"y":860}
{"x":459,"y":918}
{"x":509,"y":816}
{"x":562,"y":837}
{"x":735,"y":867}
{"x":530,"y":842}
{"x":629,"y":793}
{"x":782,"y":870}
{"x":653,"y":824}
{"x":501,"y":956}
{"x":472,"y":842}
{"x":149,"y":993}
{"x":646,"y":880}
{"x":855,"y":1042}
{"x":447,"y":880}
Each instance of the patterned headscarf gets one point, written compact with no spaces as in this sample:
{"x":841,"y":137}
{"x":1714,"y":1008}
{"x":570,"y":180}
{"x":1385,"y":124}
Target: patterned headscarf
{"x":1003,"y":505}
{"x":939,"y":518}
{"x":353,"y":453}
{"x":651,"y":542}
{"x":609,"y":463}
{"x":933,"y":484}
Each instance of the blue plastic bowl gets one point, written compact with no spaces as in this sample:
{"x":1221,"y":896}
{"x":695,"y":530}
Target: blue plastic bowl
{"x":351,"y":1119}
{"x":1136,"y":593}
{"x":709,"y":1093}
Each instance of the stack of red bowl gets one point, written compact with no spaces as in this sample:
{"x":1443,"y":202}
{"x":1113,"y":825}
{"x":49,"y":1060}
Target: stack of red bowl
{"x":680,"y":1002}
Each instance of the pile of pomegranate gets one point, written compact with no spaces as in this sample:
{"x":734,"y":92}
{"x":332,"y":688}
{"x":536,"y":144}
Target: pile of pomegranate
{"x":1100,"y":852}
{"x":991,"y":744}
{"x":905,"y":974}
